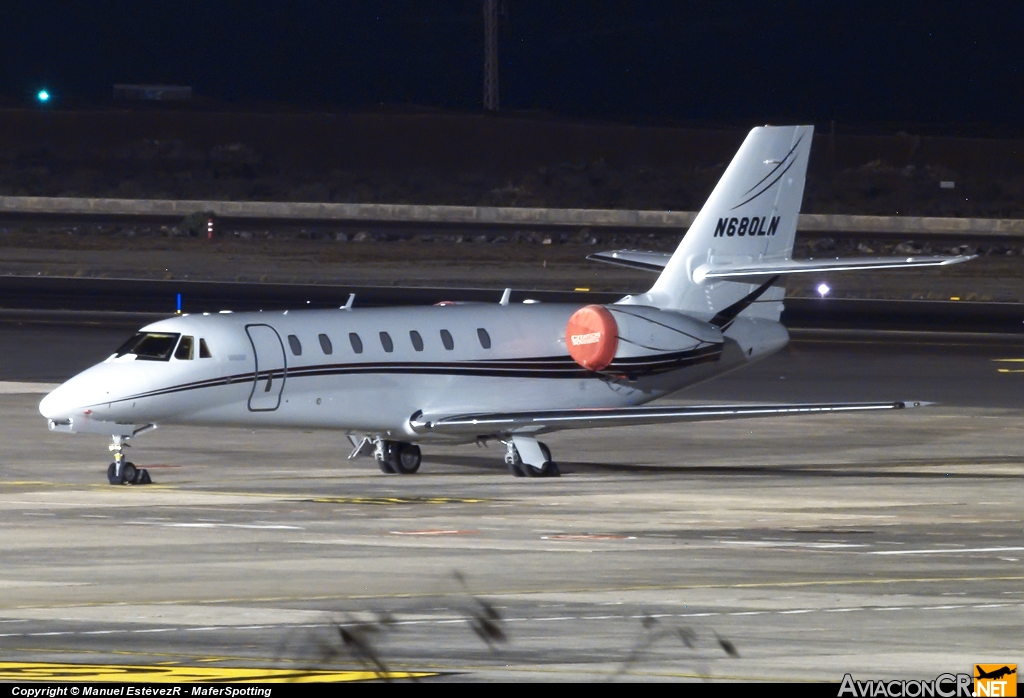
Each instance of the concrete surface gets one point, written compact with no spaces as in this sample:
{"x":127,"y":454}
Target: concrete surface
{"x":888,"y":546}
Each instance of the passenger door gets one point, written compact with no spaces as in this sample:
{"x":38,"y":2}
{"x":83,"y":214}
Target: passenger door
{"x":271,"y":368}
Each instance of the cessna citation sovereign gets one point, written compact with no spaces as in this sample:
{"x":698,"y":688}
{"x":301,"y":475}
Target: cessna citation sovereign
{"x":391,"y":379}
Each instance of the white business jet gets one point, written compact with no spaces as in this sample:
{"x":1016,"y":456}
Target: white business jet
{"x":392,"y":379}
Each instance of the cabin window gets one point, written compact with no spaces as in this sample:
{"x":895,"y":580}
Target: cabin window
{"x":295,"y":344}
{"x":417,"y":341}
{"x":485,"y":339}
{"x":446,"y":340}
{"x":204,"y":351}
{"x":150,"y":346}
{"x":357,"y":344}
{"x":385,"y":341}
{"x":184,"y":350}
{"x":325,"y":344}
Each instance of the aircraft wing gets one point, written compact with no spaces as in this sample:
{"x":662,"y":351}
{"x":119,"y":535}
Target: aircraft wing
{"x":589,"y":418}
{"x":736,"y":271}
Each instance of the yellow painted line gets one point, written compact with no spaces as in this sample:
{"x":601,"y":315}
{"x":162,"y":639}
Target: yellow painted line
{"x":1017,"y":361}
{"x":46,"y":671}
{"x":1010,"y":370}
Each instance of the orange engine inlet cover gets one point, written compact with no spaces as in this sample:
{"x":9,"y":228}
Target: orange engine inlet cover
{"x":592,"y":336}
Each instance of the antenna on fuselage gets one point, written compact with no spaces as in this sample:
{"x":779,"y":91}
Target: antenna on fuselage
{"x":349,"y":302}
{"x":505,"y":296}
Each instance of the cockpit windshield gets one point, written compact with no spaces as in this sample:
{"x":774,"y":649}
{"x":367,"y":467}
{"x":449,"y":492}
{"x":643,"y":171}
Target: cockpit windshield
{"x":150,"y":346}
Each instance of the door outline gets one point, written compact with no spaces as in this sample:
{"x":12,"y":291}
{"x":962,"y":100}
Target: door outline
{"x":269,"y":372}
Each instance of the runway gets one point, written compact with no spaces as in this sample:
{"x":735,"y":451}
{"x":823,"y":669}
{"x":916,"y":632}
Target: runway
{"x":887,"y":546}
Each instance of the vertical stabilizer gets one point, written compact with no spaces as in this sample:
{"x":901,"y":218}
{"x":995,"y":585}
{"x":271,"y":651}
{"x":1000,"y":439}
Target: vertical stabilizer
{"x":751,"y":216}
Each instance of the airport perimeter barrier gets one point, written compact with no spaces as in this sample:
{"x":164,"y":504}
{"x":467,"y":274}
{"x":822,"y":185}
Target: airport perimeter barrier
{"x":302,"y":212}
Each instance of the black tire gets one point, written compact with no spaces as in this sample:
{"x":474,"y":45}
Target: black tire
{"x":112,"y":478}
{"x":387,"y":465}
{"x":407,"y":459}
{"x":549,"y":469}
{"x":516,"y":467}
{"x":128,"y":473}
{"x":545,"y":450}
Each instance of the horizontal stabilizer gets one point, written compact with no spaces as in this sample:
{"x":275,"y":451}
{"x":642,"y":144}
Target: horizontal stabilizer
{"x":747,"y":270}
{"x":588,"y":418}
{"x":648,"y":261}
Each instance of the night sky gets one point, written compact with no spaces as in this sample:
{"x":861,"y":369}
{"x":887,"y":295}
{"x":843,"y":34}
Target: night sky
{"x":728,"y":61}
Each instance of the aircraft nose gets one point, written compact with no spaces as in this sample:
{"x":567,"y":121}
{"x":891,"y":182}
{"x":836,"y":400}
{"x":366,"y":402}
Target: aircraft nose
{"x":57,"y":404}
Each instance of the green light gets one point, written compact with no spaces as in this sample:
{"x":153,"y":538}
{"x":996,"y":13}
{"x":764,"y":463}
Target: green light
{"x":43,"y":96}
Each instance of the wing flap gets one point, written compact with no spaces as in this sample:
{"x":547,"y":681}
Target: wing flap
{"x":590,"y":418}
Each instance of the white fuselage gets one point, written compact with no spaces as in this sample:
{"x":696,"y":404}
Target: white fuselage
{"x":367,"y":371}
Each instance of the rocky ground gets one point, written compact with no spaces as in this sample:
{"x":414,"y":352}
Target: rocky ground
{"x":471,"y":160}
{"x":465,"y":159}
{"x":524,"y":260}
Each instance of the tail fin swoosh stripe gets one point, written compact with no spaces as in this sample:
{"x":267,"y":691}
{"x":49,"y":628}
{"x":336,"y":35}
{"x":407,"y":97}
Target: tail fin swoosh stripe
{"x":776,"y":168}
{"x":770,"y":185}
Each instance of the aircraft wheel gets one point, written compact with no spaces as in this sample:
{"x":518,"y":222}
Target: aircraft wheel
{"x":407,"y":459}
{"x":128,"y":473}
{"x":549,"y":469}
{"x":516,"y":467}
{"x":389,"y":463}
{"x":545,"y":450}
{"x":112,"y":477}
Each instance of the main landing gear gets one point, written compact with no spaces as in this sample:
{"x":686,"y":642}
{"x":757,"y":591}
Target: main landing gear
{"x":121,"y":472}
{"x":519,"y":468}
{"x":397,"y":457}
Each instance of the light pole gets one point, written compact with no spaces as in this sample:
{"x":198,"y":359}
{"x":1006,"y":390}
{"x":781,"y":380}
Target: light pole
{"x":491,"y":55}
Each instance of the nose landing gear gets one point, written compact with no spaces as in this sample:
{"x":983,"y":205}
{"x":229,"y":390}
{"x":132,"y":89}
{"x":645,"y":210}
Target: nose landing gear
{"x":121,"y":472}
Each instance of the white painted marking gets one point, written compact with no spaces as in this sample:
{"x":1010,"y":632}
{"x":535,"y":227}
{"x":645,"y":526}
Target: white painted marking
{"x":943,"y":551}
{"x":21,"y":388}
{"x":271,"y":527}
{"x":791,"y":544}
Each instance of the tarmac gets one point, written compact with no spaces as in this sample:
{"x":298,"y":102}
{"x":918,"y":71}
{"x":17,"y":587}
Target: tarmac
{"x":802,"y":548}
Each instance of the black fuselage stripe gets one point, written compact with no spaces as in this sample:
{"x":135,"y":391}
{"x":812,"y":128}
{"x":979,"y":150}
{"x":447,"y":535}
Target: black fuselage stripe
{"x":554,"y":368}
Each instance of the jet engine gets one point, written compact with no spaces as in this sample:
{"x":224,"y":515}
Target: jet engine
{"x":635,"y":339}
